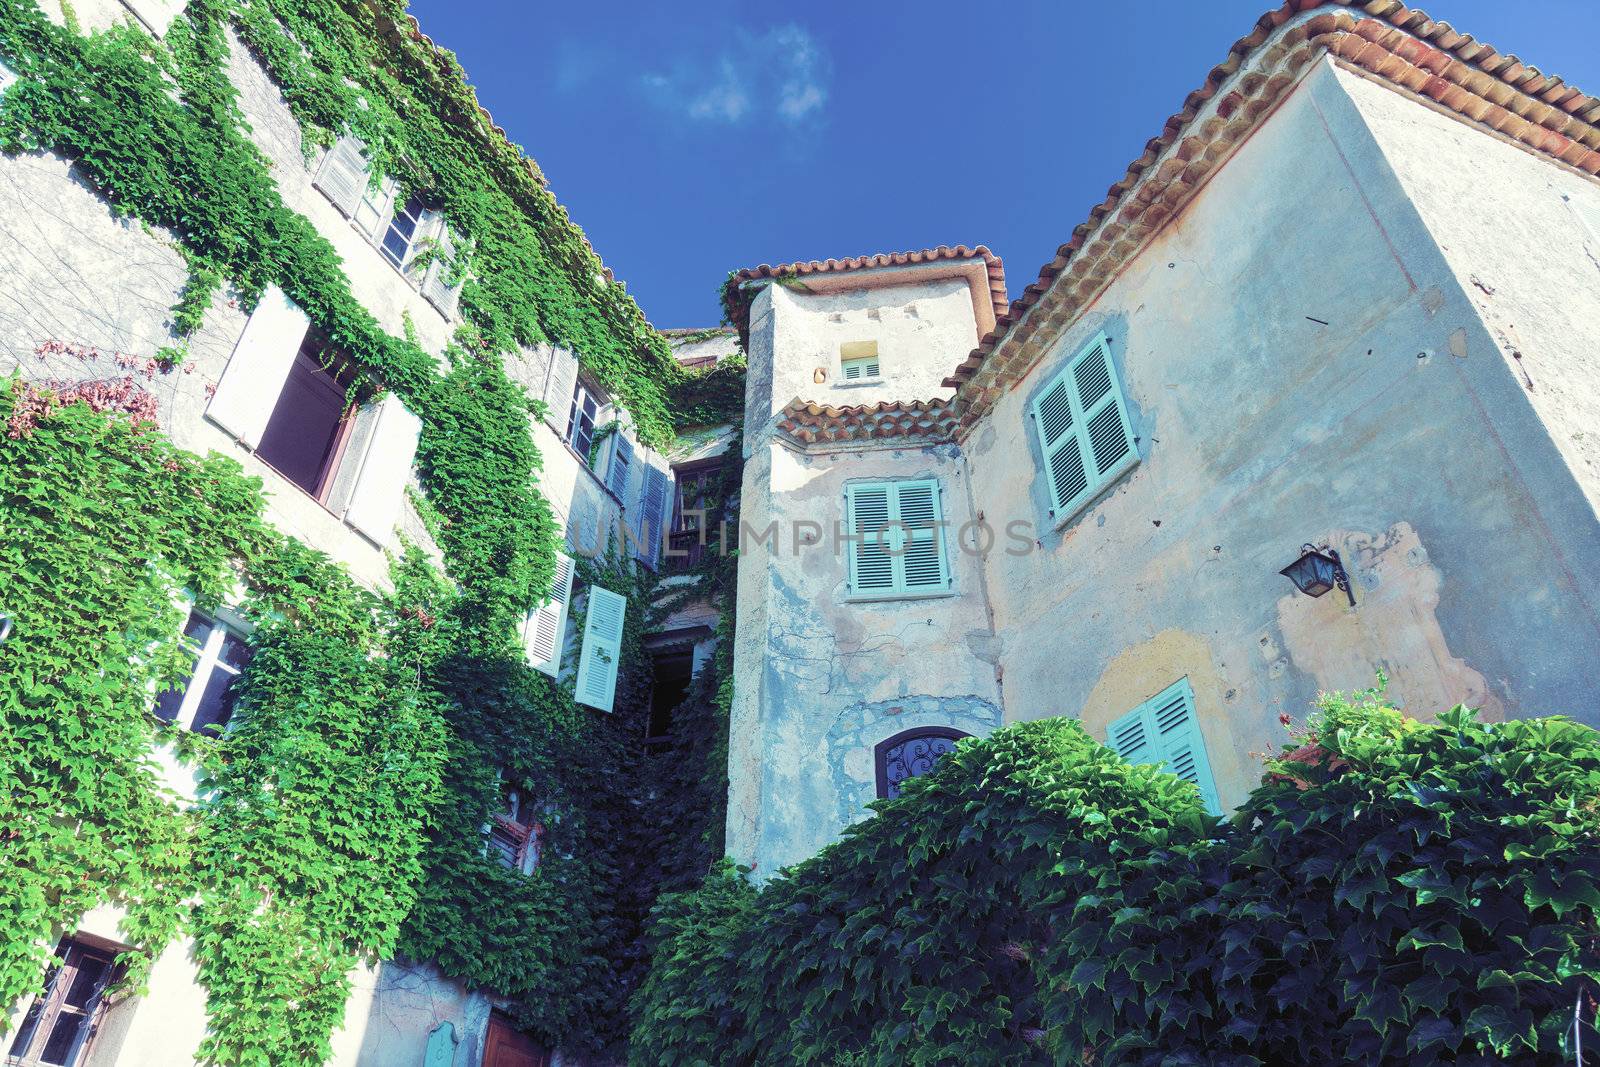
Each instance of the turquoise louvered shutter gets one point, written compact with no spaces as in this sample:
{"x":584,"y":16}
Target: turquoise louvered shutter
{"x":1164,"y":730}
{"x":897,"y":545}
{"x":602,"y":649}
{"x":1085,"y":435}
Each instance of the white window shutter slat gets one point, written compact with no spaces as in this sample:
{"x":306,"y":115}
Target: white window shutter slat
{"x":343,"y":175}
{"x":602,"y":649}
{"x":544,"y":632}
{"x":436,"y":283}
{"x":250,"y":384}
{"x":381,"y":484}
{"x":558,"y":387}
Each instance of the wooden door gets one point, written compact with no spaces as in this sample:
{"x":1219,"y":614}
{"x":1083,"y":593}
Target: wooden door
{"x":509,"y":1047}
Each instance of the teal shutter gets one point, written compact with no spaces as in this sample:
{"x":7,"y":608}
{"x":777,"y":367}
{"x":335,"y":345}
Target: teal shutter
{"x":1165,"y":730}
{"x":898,"y":543}
{"x":856,"y":369}
{"x":1085,"y":435}
{"x":602,"y":649}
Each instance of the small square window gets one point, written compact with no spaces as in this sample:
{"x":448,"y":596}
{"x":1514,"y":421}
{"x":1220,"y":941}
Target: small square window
{"x":204,"y":703}
{"x":858,"y":360}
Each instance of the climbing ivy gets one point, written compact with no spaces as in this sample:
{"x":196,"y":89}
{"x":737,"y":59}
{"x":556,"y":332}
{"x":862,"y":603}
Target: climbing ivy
{"x":340,"y":817}
{"x":1394,"y":892}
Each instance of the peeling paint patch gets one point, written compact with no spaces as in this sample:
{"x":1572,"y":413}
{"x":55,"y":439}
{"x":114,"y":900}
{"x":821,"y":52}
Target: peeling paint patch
{"x":1394,"y":627}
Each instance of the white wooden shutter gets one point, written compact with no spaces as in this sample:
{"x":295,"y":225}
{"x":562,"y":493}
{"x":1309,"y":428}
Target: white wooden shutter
{"x":653,"y":514}
{"x":602,"y":649}
{"x":436,"y":283}
{"x":1165,"y":730}
{"x":617,"y":469}
{"x":343,"y":175}
{"x":544,"y":631}
{"x":1085,"y":435}
{"x":250,"y":384}
{"x":559,"y":386}
{"x":380,"y":487}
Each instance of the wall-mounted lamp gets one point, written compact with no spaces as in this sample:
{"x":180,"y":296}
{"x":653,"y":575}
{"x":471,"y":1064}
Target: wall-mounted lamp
{"x":1317,"y":571}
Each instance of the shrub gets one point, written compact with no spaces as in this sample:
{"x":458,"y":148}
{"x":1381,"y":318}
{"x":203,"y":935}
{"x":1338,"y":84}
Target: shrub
{"x":1392,"y":892}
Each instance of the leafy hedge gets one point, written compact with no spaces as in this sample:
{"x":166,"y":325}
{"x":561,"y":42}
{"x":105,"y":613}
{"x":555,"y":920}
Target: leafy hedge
{"x":1392,"y":892}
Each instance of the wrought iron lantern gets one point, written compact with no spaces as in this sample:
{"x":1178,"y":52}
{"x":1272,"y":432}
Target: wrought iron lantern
{"x":1317,"y":571}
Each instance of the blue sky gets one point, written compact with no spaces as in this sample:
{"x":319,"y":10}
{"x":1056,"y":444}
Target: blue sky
{"x":693,"y":138}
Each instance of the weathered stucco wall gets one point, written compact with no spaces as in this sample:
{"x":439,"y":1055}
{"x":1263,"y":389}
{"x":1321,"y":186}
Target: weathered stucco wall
{"x":1301,"y":365}
{"x":1521,"y":234}
{"x":836,"y":675}
{"x":922,"y":329}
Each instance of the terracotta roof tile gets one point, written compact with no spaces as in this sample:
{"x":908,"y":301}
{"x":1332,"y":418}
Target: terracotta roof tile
{"x":1384,"y":39}
{"x":811,"y":423}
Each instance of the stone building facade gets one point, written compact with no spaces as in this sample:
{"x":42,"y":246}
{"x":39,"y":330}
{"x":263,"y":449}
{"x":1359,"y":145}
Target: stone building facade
{"x":1348,"y":298}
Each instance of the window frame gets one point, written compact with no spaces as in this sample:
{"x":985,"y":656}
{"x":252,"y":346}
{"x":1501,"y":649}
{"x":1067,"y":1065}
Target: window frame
{"x":880,"y":751}
{"x":222,"y":624}
{"x":862,"y":354}
{"x":1077,"y":434}
{"x":582,"y":393}
{"x":897,"y":557}
{"x":59,"y":982}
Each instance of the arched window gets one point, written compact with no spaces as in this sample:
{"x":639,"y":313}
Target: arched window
{"x":908,"y":754}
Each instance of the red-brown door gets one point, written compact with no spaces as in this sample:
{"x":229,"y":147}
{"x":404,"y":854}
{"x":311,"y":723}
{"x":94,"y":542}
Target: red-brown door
{"x":509,"y":1047}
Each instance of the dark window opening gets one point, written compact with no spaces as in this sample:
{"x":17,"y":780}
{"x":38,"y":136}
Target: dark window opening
{"x":673,"y":673}
{"x":696,"y":515}
{"x":308,"y":426}
{"x":516,"y":835}
{"x":204,"y":703}
{"x":908,"y":754}
{"x":402,"y":231}
{"x":61,"y":1018}
{"x":580,"y":421}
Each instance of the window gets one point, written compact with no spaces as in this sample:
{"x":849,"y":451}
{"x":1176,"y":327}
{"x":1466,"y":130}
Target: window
{"x":1164,"y":730}
{"x":61,"y":1019}
{"x":1081,"y":420}
{"x":908,"y":754}
{"x":516,"y":834}
{"x":287,"y":397}
{"x":673,"y":673}
{"x":858,"y":360}
{"x":406,"y":225}
{"x":308,"y":426}
{"x":696,"y":513}
{"x":896,"y":539}
{"x":204,"y":703}
{"x":581,"y":419}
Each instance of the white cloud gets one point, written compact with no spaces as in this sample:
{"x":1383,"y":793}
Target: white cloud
{"x":782,"y":74}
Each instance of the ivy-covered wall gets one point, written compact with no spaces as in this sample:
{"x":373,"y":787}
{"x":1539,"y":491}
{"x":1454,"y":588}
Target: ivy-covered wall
{"x":339,"y":820}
